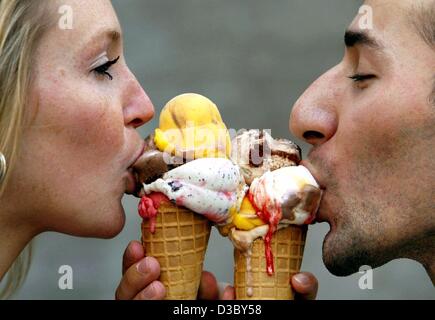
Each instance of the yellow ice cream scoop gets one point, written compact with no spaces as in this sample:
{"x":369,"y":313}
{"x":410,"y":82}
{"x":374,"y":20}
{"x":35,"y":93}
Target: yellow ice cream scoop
{"x":191,"y":127}
{"x":244,"y":219}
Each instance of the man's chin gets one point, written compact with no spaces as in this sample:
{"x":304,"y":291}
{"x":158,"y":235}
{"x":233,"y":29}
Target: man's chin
{"x":337,"y":259}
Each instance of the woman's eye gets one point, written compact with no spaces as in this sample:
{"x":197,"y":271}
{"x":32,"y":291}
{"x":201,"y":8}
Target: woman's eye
{"x":104,"y":68}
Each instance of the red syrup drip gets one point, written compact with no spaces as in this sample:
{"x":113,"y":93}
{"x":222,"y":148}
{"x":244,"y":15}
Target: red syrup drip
{"x":148,"y":206}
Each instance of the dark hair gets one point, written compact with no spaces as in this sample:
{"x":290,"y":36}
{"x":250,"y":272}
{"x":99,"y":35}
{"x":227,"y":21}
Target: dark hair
{"x":423,"y":19}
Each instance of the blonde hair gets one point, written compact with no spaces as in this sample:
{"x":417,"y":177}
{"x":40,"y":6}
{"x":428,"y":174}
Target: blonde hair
{"x":22,"y":23}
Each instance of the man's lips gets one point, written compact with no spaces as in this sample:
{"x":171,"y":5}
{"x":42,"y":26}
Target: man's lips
{"x":320,"y":214}
{"x":313,"y":172}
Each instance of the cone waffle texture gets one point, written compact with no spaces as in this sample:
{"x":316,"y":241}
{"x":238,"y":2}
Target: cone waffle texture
{"x":179,"y":244}
{"x":287,"y":248}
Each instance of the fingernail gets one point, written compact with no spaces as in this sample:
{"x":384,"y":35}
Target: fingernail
{"x":149,"y":292}
{"x":144,"y":266}
{"x":221,"y":288}
{"x":302,"y":278}
{"x":155,"y":290}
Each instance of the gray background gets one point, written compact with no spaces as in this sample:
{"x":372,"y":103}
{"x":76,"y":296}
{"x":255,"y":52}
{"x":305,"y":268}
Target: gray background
{"x":253,"y":58}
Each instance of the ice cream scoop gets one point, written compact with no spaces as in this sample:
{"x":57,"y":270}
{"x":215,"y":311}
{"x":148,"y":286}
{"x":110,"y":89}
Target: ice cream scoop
{"x":256,"y":152}
{"x":191,"y":127}
{"x":289,"y":194}
{"x":207,"y":186}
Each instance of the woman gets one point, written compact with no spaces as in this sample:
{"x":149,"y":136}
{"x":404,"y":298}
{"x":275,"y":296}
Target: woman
{"x":69,"y":108}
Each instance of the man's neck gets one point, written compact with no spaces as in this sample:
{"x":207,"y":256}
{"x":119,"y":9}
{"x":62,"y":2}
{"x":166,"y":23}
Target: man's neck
{"x":424,"y":253}
{"x":431,"y":272}
{"x":428,"y":260}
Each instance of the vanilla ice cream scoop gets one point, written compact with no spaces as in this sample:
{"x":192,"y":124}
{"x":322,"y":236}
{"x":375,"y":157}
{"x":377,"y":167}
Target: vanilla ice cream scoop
{"x":288,"y":195}
{"x":207,"y":186}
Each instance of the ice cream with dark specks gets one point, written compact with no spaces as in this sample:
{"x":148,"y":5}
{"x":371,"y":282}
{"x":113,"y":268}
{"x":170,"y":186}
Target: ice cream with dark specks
{"x":207,"y":186}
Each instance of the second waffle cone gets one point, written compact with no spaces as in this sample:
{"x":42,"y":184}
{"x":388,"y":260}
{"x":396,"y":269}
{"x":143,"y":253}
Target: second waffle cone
{"x":179,"y":244}
{"x":288,"y":248}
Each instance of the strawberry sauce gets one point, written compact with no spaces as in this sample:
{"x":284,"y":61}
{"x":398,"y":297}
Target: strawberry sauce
{"x":272,"y":219}
{"x":148,"y":206}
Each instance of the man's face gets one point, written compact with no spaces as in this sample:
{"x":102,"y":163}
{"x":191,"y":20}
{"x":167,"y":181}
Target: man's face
{"x":372,"y":126}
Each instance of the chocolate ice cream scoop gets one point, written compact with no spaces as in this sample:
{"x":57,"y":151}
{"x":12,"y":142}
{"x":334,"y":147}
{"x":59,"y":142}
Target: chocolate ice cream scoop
{"x":150,"y":166}
{"x":153,"y":164}
{"x":256,"y":152}
{"x":305,"y":201}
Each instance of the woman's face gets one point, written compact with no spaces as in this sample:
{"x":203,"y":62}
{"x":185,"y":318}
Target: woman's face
{"x":80,"y":140}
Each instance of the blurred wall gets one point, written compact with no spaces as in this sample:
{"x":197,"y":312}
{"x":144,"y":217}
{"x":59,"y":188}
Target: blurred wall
{"x":254,"y":59}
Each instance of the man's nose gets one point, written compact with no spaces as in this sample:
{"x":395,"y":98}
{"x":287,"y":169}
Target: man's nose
{"x":314,"y":116}
{"x":138,"y":108}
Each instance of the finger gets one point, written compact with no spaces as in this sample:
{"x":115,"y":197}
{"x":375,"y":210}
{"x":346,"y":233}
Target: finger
{"x":138,"y":277}
{"x":132,"y":254}
{"x":228,"y":294}
{"x":208,"y":288}
{"x":154,"y":291}
{"x":305,"y":286}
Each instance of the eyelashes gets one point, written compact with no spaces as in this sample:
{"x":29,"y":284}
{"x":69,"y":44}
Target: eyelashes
{"x":362,"y":77}
{"x":104,"y":68}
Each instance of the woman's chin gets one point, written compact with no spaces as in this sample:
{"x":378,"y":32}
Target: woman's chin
{"x":106,"y":225}
{"x":112,"y":225}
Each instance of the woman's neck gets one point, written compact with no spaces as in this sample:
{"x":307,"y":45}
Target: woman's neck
{"x":14,"y":236}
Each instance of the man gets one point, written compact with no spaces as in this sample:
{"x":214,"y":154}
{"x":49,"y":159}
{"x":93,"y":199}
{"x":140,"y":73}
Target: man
{"x":371,"y":122}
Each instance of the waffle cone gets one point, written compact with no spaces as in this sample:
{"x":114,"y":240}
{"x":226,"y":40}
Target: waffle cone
{"x":179,"y":244}
{"x":287,"y":248}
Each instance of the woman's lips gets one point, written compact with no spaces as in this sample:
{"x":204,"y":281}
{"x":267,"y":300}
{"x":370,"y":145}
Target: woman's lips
{"x":131,"y":184}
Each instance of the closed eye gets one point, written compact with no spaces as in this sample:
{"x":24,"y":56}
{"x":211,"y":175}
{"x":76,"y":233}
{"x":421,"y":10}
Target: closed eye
{"x":104,"y":68}
{"x":362,"y":77}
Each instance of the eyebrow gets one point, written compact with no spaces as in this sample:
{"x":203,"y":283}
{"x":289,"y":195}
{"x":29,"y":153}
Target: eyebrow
{"x":111,"y":34}
{"x":354,"y":38}
{"x":95,"y":41}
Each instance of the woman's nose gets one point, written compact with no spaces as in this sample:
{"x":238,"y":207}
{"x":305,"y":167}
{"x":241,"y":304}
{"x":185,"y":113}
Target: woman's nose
{"x":138,"y":109}
{"x":314,"y":116}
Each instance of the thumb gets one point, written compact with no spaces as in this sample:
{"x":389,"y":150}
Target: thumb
{"x":305,"y":286}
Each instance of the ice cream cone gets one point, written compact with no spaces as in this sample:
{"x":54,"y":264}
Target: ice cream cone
{"x":288,"y":248}
{"x":179,"y":244}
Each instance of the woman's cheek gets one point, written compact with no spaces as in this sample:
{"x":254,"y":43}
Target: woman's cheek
{"x":91,"y":127}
